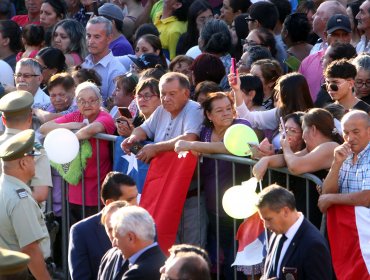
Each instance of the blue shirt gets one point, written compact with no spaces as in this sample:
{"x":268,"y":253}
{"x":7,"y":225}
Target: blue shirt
{"x":108,"y":68}
{"x":135,"y":256}
{"x":355,"y":177}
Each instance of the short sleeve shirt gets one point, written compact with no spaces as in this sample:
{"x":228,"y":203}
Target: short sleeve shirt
{"x":42,"y":164}
{"x":21,"y":219}
{"x":355,"y":177}
{"x":161,"y":127}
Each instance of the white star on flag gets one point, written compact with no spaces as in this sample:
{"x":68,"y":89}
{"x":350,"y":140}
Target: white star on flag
{"x":132,"y":163}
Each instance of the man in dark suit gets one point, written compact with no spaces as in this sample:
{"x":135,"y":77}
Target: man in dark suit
{"x":88,"y":240}
{"x":297,"y":250}
{"x":133,"y":234}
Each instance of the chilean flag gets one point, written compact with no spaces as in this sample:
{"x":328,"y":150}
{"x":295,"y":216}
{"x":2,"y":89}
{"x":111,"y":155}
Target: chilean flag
{"x":251,"y":237}
{"x":164,"y":193}
{"x":349,"y":238}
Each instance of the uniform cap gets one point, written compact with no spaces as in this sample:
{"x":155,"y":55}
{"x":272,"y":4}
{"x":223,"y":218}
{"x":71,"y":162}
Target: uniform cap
{"x":12,"y":261}
{"x":18,"y":146}
{"x":16,"y":103}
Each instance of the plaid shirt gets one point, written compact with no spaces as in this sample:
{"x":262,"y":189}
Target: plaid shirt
{"x":355,"y":177}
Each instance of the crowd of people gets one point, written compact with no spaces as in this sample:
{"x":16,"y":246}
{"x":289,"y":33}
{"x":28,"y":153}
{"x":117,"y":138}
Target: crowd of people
{"x":160,"y":75}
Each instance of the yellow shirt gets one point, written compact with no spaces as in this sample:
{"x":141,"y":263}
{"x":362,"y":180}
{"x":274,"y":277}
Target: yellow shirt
{"x":170,"y":30}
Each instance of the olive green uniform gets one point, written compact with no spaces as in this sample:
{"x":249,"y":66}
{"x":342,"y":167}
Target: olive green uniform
{"x":21,"y":219}
{"x":42,"y":165}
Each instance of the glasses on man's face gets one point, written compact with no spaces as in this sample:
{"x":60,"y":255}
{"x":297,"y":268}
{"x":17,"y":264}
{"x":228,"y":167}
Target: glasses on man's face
{"x":84,"y":103}
{"x":146,"y":96}
{"x":333,"y":86}
{"x":361,"y":83}
{"x":33,"y":153}
{"x":25,"y":75}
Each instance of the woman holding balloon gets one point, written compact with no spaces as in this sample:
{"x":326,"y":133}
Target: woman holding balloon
{"x":291,"y":95}
{"x":219,"y":115}
{"x":88,"y":121}
{"x":321,"y":138}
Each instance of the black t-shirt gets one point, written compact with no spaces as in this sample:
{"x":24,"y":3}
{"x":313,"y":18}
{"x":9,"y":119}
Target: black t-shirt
{"x":361,"y":105}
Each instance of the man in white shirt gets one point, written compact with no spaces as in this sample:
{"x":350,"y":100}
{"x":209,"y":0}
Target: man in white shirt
{"x":28,"y":77}
{"x":363,"y":18}
{"x":295,"y":247}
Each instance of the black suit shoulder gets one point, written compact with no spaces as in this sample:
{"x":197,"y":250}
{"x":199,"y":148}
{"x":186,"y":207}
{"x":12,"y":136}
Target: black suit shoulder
{"x":147,"y":265}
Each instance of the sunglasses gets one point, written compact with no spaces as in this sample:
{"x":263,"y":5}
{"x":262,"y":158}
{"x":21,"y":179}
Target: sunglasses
{"x":332,"y":86}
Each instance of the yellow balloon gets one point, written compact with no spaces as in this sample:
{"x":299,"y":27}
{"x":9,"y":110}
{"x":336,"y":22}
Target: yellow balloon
{"x":237,"y":138}
{"x":239,"y":202}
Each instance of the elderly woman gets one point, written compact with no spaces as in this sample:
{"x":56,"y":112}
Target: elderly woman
{"x":219,"y":115}
{"x":61,"y":90}
{"x":88,"y":121}
{"x":321,"y":138}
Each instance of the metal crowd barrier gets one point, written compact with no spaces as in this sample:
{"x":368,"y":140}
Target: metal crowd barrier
{"x":217,"y":157}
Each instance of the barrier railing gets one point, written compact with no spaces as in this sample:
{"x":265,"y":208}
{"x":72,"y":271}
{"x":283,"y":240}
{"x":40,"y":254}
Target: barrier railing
{"x":217,"y":157}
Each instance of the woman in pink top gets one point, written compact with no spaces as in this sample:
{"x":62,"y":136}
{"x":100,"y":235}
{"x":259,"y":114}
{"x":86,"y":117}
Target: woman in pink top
{"x":88,"y":121}
{"x":68,"y":35}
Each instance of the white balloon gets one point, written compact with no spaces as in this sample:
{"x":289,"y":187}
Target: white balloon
{"x":239,"y":201}
{"x":61,"y":145}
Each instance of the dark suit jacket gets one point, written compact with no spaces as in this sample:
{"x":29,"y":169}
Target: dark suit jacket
{"x":308,"y":252}
{"x":88,"y":242}
{"x":108,"y":264}
{"x":146,"y":266}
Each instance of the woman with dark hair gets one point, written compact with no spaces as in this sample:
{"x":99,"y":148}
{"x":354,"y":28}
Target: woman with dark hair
{"x":68,"y":35}
{"x":321,"y":138}
{"x":309,"y":8}
{"x":268,"y":70}
{"x":219,"y":115}
{"x":207,"y":67}
{"x":294,"y":33}
{"x":239,"y":31}
{"x":81,"y":75}
{"x":33,"y":39}
{"x":352,"y":10}
{"x":51,"y":12}
{"x":261,"y":37}
{"x":199,"y":12}
{"x":9,"y":48}
{"x":252,"y":88}
{"x":286,"y":101}
{"x":123,"y":95}
{"x":52,"y":61}
{"x":202,"y":90}
{"x":147,"y":99}
{"x":150,"y":43}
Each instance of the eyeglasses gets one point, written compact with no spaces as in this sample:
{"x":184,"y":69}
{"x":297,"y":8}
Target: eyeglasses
{"x":290,"y":131}
{"x":333,"y":86}
{"x":250,"y":43}
{"x":83,"y":103}
{"x":361,"y":83}
{"x":146,"y":96}
{"x":25,"y":75}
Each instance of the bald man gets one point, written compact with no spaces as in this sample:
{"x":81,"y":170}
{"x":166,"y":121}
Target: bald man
{"x":348,"y":181}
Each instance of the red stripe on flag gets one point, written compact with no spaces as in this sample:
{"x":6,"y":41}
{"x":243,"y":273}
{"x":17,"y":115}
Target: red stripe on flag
{"x":345,"y":248}
{"x":249,"y":231}
{"x":164,"y":193}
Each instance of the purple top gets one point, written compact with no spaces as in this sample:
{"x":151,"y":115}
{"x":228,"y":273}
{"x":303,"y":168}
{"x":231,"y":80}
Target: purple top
{"x":225,"y":174}
{"x":121,"y":46}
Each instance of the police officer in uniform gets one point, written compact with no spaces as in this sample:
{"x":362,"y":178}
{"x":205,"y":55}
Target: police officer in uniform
{"x":22,"y":222}
{"x":13,"y":265}
{"x":17,"y":116}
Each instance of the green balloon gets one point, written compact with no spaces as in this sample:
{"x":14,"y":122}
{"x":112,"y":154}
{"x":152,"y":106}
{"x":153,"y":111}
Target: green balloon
{"x":237,"y":137}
